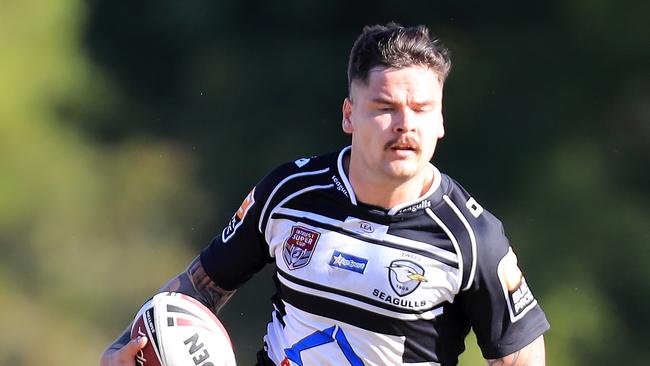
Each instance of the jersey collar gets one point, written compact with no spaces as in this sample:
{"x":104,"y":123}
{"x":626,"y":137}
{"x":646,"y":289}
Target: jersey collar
{"x":420,"y":203}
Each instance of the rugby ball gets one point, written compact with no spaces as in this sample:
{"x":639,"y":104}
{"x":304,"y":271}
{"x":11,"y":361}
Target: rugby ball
{"x":181,"y":332}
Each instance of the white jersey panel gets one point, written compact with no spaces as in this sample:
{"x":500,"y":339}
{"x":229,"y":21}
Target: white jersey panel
{"x":393,"y":280}
{"x":310,"y":339}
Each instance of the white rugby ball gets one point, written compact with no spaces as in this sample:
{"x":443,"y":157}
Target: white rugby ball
{"x":181,"y":332}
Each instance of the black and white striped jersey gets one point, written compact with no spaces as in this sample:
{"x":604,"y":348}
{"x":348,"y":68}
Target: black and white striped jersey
{"x":361,"y":285}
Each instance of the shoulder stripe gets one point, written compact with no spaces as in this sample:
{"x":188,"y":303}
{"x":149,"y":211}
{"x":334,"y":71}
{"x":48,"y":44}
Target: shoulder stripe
{"x":453,"y":241}
{"x":472,"y":238}
{"x":293,"y":195}
{"x":279,"y":185}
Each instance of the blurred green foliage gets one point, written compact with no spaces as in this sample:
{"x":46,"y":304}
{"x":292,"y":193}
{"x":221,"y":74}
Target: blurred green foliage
{"x":129,"y":131}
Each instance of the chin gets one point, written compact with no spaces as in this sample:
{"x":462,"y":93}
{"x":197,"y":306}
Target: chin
{"x":403,"y":171}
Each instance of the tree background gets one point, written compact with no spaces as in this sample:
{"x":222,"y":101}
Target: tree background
{"x":130,"y":132}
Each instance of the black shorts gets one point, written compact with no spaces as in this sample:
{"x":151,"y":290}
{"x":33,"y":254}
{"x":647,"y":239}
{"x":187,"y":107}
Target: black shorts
{"x":263,"y":359}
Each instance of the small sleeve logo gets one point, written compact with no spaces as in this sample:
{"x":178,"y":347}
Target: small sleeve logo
{"x":517,"y":293}
{"x":302,"y":162}
{"x":237,"y":219}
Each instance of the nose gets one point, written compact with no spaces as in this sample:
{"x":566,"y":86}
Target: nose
{"x":403,"y":121}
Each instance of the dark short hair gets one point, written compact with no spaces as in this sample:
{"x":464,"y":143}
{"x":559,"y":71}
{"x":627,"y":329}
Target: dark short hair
{"x":396,"y":46}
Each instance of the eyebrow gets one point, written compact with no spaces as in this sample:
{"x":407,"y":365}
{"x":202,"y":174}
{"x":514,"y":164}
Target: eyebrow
{"x":382,"y":100}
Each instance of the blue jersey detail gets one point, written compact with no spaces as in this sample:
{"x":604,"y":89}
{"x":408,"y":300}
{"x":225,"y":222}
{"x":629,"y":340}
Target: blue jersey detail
{"x":319,"y":338}
{"x":349,"y":262}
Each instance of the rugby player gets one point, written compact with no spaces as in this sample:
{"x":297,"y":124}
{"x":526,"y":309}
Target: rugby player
{"x":380,"y":259}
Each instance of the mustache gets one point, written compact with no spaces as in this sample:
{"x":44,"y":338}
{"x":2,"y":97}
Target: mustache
{"x":403,"y":141}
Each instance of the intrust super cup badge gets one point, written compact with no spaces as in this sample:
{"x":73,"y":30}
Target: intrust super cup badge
{"x":299,"y":246}
{"x":238,"y":217}
{"x":517,"y":293}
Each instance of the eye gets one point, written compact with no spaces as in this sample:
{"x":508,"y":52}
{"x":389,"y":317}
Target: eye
{"x":423,"y":109}
{"x":385,"y":108}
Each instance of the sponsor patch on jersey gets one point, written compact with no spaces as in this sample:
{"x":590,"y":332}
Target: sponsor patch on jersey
{"x":340,"y":187}
{"x":418,"y":206}
{"x":517,"y":293}
{"x":238,"y":217}
{"x":299,"y":246}
{"x":348,"y":261}
{"x":366,"y":228}
{"x":405,"y":276}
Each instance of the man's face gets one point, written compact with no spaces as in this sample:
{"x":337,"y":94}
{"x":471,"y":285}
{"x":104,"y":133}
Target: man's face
{"x":395,"y":121}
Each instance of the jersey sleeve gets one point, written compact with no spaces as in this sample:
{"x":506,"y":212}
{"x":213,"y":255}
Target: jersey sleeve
{"x":239,"y":250}
{"x":502,"y":310}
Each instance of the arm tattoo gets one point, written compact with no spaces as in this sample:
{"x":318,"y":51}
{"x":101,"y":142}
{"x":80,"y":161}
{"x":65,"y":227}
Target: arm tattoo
{"x":196,"y":283}
{"x":193,"y":282}
{"x":531,"y":355}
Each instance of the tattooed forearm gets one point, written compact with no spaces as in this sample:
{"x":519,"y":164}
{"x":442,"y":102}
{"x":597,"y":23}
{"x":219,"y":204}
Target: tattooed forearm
{"x":193,"y":282}
{"x":531,"y":355}
{"x":196,"y":283}
{"x":214,"y":295}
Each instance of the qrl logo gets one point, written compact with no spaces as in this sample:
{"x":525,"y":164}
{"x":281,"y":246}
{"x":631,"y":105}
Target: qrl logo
{"x":299,"y":247}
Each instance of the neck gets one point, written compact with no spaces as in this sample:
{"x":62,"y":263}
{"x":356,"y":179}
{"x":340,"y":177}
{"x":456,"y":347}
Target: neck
{"x":387,"y":193}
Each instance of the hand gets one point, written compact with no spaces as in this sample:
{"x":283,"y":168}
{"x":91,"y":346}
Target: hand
{"x":124,"y":356}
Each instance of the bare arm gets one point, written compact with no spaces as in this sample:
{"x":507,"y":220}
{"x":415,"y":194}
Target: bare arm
{"x":193,"y":282}
{"x":531,"y":355}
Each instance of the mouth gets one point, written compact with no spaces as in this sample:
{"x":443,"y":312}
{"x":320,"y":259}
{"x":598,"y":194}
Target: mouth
{"x":402,"y":146}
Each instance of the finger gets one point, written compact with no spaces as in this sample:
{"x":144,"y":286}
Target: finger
{"x":135,"y":345}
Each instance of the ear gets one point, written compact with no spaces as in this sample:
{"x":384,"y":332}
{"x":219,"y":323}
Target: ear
{"x":441,"y":130}
{"x":346,"y":123}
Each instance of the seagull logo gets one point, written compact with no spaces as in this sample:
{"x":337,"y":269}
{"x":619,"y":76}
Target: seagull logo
{"x":405,"y":276}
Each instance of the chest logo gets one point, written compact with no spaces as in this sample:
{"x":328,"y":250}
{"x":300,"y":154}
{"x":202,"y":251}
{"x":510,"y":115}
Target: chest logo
{"x":349,"y":262}
{"x":299,"y":247}
{"x":405,"y":276}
